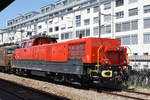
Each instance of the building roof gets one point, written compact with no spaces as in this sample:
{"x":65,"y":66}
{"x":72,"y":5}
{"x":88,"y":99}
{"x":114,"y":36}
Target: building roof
{"x":5,"y":3}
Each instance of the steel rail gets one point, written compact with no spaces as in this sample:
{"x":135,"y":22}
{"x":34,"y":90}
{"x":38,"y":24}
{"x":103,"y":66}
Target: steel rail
{"x":125,"y":96}
{"x":39,"y":92}
{"x":137,"y":92}
{"x":13,"y":94}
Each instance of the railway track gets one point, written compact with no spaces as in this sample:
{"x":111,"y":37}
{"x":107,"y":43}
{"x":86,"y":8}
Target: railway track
{"x":124,"y":96}
{"x":129,"y":94}
{"x":117,"y":93}
{"x":125,"y":93}
{"x":19,"y":92}
{"x":138,"y":92}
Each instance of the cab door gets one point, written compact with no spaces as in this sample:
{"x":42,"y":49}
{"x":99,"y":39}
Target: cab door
{"x":29,"y":50}
{"x":22,"y":51}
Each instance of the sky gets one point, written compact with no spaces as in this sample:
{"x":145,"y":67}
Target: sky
{"x":21,"y":7}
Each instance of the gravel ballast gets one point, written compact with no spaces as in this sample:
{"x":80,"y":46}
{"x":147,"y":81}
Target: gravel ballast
{"x":60,"y":90}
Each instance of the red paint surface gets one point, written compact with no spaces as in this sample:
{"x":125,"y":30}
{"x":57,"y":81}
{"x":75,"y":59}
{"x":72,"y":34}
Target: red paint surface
{"x":85,"y":49}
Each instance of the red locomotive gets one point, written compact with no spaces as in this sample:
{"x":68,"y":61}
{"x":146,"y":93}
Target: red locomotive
{"x":88,"y":60}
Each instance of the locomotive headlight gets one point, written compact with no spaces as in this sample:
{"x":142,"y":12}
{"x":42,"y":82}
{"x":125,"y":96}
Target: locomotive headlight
{"x":123,"y":67}
{"x":125,"y":62}
{"x":118,"y":48}
{"x":106,"y":61}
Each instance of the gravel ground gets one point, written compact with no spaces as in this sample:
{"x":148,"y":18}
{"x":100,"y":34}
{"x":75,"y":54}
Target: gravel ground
{"x":60,"y":90}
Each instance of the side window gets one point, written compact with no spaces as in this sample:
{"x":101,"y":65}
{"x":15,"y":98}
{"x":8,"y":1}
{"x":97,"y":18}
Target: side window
{"x":29,"y":44}
{"x":23,"y":45}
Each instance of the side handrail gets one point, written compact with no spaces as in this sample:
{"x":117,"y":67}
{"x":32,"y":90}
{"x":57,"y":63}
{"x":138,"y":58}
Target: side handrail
{"x":98,"y":54}
{"x":130,"y":61}
{"x":11,"y":60}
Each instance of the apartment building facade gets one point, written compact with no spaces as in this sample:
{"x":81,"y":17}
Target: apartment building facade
{"x":127,"y":20}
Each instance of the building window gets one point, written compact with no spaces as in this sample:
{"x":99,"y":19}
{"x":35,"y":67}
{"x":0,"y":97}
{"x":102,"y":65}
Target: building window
{"x":56,"y":28}
{"x":125,"y":40}
{"x":70,"y":35}
{"x":105,"y":29}
{"x":88,"y":10}
{"x":107,"y":17}
{"x":47,"y":9}
{"x":77,"y":33}
{"x":118,"y":27}
{"x":82,"y":32}
{"x":57,"y":13}
{"x":129,"y":39}
{"x":119,"y":3}
{"x":102,"y":31}
{"x":108,"y":29}
{"x":67,"y":35}
{"x":50,"y":22}
{"x":62,"y":36}
{"x":43,"y":11}
{"x":147,"y":23}
{"x":134,"y":39}
{"x":69,"y":9}
{"x":14,"y":38}
{"x":126,"y":26}
{"x":95,"y":20}
{"x":87,"y":32}
{"x":62,"y":18}
{"x":44,"y":33}
{"x":78,"y":21}
{"x":133,"y":12}
{"x":96,"y":9}
{"x":146,"y":38}
{"x":63,"y":11}
{"x":107,"y":6}
{"x":86,"y":21}
{"x":147,"y":9}
{"x":132,"y":1}
{"x":119,"y":14}
{"x":40,"y":26}
{"x":134,"y":25}
{"x":29,"y":34}
{"x":63,"y":28}
{"x":95,"y":30}
{"x":45,"y":22}
{"x":50,"y":29}
{"x":55,"y":36}
{"x":92,"y":1}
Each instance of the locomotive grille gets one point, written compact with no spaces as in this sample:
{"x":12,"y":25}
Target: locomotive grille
{"x":114,"y":57}
{"x":77,"y":50}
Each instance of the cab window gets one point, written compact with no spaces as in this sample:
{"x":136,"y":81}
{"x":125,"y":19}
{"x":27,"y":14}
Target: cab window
{"x":23,"y":45}
{"x":29,"y":44}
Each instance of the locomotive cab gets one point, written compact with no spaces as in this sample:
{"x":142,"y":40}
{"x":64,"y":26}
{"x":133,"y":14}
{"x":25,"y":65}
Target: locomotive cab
{"x":38,"y":40}
{"x":44,"y":40}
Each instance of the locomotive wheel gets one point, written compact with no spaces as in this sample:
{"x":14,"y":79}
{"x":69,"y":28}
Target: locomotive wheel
{"x":84,"y":82}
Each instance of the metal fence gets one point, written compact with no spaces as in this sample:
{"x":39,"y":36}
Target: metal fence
{"x":139,"y":79}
